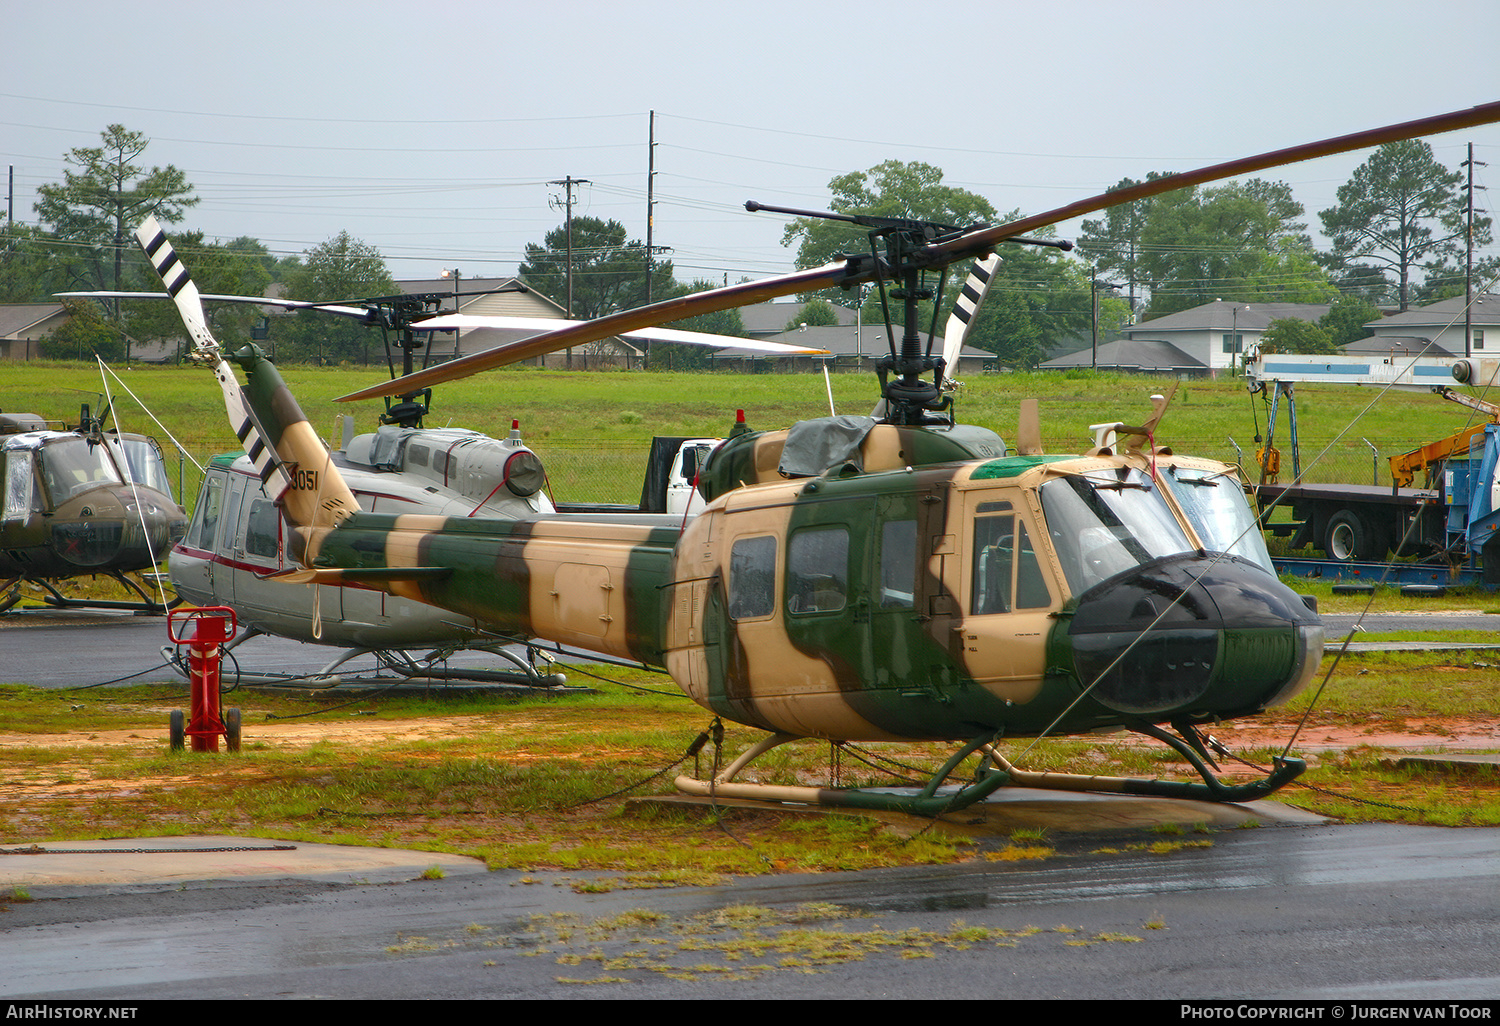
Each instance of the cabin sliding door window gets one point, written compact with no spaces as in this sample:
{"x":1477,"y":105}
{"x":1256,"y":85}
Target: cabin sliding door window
{"x":817,"y":570}
{"x":752,"y":578}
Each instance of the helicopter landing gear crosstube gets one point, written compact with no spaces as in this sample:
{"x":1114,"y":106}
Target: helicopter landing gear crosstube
{"x":994,"y":772}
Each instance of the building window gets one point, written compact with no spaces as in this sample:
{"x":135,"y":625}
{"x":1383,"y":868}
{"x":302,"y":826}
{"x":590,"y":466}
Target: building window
{"x":1478,"y":339}
{"x":1234,"y":343}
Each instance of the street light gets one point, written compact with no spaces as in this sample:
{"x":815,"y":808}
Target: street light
{"x":1094,"y":286}
{"x":455,"y":274}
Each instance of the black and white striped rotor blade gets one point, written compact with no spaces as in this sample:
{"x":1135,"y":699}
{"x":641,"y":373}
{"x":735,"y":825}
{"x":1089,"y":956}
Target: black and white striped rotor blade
{"x":966,"y":308}
{"x":174,"y":275}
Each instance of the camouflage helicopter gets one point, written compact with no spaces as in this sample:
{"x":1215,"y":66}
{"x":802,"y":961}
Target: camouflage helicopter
{"x":234,"y":542}
{"x":898,"y":577}
{"x":82,"y":502}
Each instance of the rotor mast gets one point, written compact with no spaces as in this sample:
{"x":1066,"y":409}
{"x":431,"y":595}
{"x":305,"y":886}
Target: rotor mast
{"x":910,"y":397}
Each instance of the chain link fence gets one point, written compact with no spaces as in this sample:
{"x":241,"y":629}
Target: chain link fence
{"x":614,"y":472}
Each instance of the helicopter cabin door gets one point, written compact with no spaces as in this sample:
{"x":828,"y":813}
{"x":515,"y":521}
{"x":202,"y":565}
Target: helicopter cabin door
{"x":194,"y":570}
{"x":256,"y":547}
{"x":1011,"y":591}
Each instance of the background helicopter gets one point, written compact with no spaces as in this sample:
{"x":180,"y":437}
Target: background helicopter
{"x":235,"y":539}
{"x":860,"y":579}
{"x":84,"y":502}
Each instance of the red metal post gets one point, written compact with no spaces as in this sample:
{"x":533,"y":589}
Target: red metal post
{"x":210,"y":627}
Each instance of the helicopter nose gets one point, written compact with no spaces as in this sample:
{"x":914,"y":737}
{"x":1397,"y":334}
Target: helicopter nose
{"x":1209,"y":635}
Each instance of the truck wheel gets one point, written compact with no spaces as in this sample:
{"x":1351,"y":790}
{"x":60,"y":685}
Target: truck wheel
{"x":1349,"y":538}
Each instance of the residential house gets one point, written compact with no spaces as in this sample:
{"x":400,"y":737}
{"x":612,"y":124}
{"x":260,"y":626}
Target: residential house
{"x":1198,"y":342}
{"x":23,"y":325}
{"x":849,"y":350}
{"x":1442,"y":323}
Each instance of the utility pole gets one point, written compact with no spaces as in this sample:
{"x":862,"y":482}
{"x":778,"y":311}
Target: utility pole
{"x":569,"y":182}
{"x":1469,"y":256}
{"x":650,"y":203}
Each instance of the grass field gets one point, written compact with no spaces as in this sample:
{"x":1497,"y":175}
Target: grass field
{"x":593,"y":429}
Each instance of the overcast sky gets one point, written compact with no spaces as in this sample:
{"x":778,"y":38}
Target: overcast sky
{"x":431,"y":131}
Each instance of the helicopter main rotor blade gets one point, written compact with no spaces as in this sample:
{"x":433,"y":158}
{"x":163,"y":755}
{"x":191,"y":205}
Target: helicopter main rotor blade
{"x":966,"y":308}
{"x":285,"y":304}
{"x":967,"y":245}
{"x":583,"y":332}
{"x":174,"y":275}
{"x":982,"y":240}
{"x":449,"y":322}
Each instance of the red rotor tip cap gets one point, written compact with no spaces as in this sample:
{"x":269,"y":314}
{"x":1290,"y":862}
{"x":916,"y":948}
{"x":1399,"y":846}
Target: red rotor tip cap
{"x":739,"y":416}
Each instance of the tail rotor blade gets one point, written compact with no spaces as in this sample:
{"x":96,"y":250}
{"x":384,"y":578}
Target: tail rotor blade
{"x":174,"y":275}
{"x":966,"y":308}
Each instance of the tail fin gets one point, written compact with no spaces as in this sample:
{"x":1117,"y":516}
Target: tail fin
{"x":293,"y":463}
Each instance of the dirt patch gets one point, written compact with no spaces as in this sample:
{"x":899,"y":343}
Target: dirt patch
{"x":278,"y":734}
{"x":1450,"y":734}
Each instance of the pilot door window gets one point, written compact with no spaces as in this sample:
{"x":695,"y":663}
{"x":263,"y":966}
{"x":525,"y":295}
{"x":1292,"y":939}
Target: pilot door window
{"x":817,"y":570}
{"x":205,"y":526}
{"x":1007,"y":573}
{"x":898,"y":564}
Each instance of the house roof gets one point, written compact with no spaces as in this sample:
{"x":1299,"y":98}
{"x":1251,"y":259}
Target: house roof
{"x":1395,"y":345}
{"x":772,"y":318}
{"x":17,"y":318}
{"x":1226,"y":315}
{"x":1445,"y":312}
{"x":1133,"y":355}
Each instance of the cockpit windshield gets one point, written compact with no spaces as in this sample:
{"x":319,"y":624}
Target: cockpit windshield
{"x":1215,"y":505}
{"x":144,"y":464}
{"x":73,"y":465}
{"x":1107,"y":521}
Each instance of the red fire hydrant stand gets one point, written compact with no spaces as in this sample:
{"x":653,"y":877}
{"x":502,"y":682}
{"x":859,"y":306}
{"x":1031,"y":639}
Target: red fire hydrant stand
{"x":204,"y":630}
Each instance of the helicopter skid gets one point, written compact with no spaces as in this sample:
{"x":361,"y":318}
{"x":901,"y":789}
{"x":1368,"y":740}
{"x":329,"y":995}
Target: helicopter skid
{"x":396,"y":666}
{"x":995,"y":772}
{"x":57,"y":600}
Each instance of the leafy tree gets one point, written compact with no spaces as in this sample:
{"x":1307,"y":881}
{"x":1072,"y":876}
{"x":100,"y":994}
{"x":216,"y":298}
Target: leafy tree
{"x":104,"y":194}
{"x":892,"y":189}
{"x":669,"y":356}
{"x":86,"y":334}
{"x":25,"y":266}
{"x":1447,"y":279}
{"x":609,"y":273}
{"x":1345,"y":321}
{"x":1292,"y":335}
{"x":1038,"y":298}
{"x":1399,"y":210}
{"x":341,"y":268}
{"x":815,"y":313}
{"x":1113,"y":243}
{"x":238,"y":268}
{"x":1242,"y":240}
